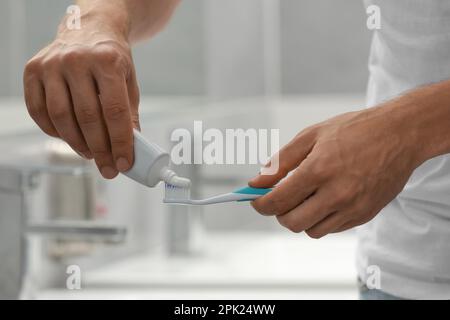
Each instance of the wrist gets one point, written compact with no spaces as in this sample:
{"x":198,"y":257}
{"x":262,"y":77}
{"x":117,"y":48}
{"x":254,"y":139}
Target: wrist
{"x":96,"y":18}
{"x":397,"y":121}
{"x":422,"y":119}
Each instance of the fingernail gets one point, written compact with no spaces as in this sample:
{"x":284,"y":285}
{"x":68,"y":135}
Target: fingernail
{"x":108,"y":172}
{"x":122,"y":164}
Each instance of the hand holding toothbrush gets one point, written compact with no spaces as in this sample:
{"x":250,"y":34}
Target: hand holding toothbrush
{"x":344,"y":171}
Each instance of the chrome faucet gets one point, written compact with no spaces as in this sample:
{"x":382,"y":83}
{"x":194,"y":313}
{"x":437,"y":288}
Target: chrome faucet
{"x":16,"y":185}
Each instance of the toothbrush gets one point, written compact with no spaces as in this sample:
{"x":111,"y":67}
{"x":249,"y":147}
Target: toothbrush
{"x":177,"y":195}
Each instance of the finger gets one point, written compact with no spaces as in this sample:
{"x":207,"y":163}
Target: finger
{"x":310,"y":212}
{"x":116,"y":112}
{"x":36,"y":105}
{"x":61,"y":113}
{"x":346,"y":226}
{"x":89,"y":116}
{"x":287,"y":195}
{"x":288,"y":158}
{"x":328,"y":225}
{"x":353,"y":223}
{"x":134,"y":96}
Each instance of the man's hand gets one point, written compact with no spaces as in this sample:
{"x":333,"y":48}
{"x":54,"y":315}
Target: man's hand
{"x":82,"y":87}
{"x":346,"y":170}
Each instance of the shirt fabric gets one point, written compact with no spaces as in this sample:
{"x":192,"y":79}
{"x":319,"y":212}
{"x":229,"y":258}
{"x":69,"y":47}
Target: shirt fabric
{"x":409,"y":240}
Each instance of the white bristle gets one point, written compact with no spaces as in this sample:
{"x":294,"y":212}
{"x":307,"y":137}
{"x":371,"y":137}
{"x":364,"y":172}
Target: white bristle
{"x":177,"y":193}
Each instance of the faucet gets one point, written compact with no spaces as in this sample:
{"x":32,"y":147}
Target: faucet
{"x":16,"y":184}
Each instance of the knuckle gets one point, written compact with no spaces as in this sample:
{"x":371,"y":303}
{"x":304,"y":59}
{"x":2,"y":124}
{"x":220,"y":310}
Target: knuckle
{"x":50,"y":64}
{"x":279,"y":206}
{"x":259,"y":208}
{"x":72,"y":57}
{"x":44,"y":125}
{"x":318,"y":167}
{"x":363,"y":220}
{"x":135,"y":121}
{"x":343,"y":196}
{"x":306,"y":134}
{"x":135,"y":98}
{"x":102,"y":156}
{"x":294,"y":228}
{"x":114,"y":111}
{"x":87,"y":115}
{"x":58,"y":114}
{"x":272,"y":206}
{"x":315,"y":171}
{"x":32,"y":68}
{"x":363,"y":211}
{"x":283,"y":169}
{"x":120,"y":142}
{"x":289,"y":224}
{"x":112,"y":58}
{"x":107,"y":53}
{"x":50,"y":68}
{"x":264,"y":206}
{"x":34,"y":111}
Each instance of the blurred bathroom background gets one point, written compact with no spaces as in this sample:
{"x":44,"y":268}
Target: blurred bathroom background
{"x":232,"y":64}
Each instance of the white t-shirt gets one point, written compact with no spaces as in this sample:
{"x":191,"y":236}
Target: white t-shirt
{"x":409,"y":240}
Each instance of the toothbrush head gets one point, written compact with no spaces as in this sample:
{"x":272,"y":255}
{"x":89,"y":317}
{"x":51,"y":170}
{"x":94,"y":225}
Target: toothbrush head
{"x":177,"y":189}
{"x":177,"y":194}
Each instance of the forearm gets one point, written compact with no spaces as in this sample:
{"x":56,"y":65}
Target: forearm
{"x":422,"y":117}
{"x":133,"y":19}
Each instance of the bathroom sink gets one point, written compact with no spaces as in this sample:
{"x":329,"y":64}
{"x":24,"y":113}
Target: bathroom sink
{"x":246,"y":265}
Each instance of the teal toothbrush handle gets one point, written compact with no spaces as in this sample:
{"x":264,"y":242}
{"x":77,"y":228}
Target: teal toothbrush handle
{"x":252,"y":191}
